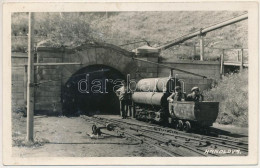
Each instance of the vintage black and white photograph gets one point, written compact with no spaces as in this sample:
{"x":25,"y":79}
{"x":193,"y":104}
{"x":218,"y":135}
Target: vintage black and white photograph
{"x":118,"y":83}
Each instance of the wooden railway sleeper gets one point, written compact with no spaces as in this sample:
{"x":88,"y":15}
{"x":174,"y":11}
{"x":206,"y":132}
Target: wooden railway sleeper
{"x":187,"y":139}
{"x":195,"y":135}
{"x":182,"y":136}
{"x":208,"y":143}
{"x":176,"y":144}
{"x":142,"y":141}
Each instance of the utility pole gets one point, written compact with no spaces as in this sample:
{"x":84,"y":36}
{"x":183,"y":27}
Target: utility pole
{"x":30,"y":83}
{"x":242,"y":60}
{"x":25,"y":85}
{"x":237,"y":55}
{"x":201,"y":47}
{"x":222,"y":63}
{"x":194,"y":50}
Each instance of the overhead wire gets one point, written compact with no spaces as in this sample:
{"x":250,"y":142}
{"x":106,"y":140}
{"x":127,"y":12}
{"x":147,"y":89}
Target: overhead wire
{"x":81,"y":74}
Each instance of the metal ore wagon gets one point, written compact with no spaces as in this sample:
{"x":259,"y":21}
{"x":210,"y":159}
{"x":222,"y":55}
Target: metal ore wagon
{"x":189,"y":114}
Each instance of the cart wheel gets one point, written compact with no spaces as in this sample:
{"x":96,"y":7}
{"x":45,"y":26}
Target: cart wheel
{"x":179,"y":125}
{"x":187,"y":126}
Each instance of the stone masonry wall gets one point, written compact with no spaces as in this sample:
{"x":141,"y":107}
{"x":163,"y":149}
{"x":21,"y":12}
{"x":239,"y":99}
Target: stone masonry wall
{"x":48,"y":92}
{"x":206,"y":68}
{"x":52,"y":78}
{"x":18,"y":79}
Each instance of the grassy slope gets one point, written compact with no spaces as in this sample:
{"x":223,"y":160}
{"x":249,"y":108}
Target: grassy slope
{"x":155,"y":27}
{"x":161,"y":27}
{"x":232,"y":93}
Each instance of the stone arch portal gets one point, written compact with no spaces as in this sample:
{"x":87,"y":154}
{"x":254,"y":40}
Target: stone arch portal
{"x":100,"y":61}
{"x":105,"y":65}
{"x":99,"y":54}
{"x":93,"y":57}
{"x":91,"y":90}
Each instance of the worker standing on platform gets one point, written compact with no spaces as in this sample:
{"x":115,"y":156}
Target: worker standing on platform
{"x":124,"y":97}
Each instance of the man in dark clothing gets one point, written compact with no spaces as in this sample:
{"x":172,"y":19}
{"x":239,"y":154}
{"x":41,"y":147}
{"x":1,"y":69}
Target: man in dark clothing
{"x":195,"y":95}
{"x":177,"y":95}
{"x":124,"y":100}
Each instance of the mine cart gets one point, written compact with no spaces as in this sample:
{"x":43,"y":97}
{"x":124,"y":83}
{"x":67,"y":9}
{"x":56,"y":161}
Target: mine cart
{"x":188,"y":114}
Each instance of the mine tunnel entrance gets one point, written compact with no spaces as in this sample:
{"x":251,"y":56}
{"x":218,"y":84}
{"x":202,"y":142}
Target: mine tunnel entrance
{"x":91,"y":90}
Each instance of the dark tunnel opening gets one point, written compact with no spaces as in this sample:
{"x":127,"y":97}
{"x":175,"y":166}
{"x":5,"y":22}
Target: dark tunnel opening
{"x":91,"y":90}
{"x":231,"y":69}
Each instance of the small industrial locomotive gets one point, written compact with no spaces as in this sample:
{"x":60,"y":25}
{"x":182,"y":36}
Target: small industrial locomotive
{"x":150,"y":103}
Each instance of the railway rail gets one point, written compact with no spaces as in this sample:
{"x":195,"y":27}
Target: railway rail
{"x":124,"y":132}
{"x":173,"y":142}
{"x":233,"y":144}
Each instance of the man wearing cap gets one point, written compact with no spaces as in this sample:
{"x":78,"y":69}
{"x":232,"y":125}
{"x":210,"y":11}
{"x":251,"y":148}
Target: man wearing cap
{"x":177,"y":95}
{"x":195,"y":95}
{"x":124,"y":99}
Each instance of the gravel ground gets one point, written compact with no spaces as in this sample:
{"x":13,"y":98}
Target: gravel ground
{"x":69,"y":137}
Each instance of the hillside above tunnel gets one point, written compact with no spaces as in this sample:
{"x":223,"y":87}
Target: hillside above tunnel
{"x":124,"y":29}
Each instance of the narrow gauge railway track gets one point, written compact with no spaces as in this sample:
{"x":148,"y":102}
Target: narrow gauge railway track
{"x":222,"y":139}
{"x":217,"y":132}
{"x":174,"y":142}
{"x":202,"y":139}
{"x":225,"y":140}
{"x":163,"y":144}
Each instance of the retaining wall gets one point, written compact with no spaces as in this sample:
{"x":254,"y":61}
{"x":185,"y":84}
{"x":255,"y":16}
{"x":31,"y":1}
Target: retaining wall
{"x":48,"y":94}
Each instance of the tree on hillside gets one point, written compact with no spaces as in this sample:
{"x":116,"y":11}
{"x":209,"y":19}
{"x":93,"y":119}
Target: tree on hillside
{"x":69,"y":29}
{"x":73,"y":29}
